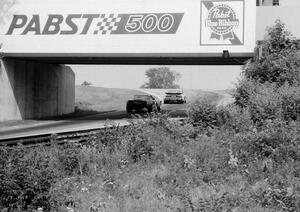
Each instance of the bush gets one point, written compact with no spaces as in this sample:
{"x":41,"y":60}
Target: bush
{"x":268,"y":101}
{"x":159,"y":164}
{"x":270,"y":80}
{"x":244,"y":89}
{"x":203,"y":112}
{"x":265,"y":103}
{"x":290,"y":102}
{"x":26,"y":177}
{"x":271,"y":156}
{"x":279,"y":60}
{"x":234,"y":119}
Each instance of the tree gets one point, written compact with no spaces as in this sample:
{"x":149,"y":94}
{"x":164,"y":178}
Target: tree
{"x":278,"y":60}
{"x":85,"y":83}
{"x":270,"y":82}
{"x":161,"y":77}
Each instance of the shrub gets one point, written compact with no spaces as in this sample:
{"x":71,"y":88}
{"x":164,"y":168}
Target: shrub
{"x":265,"y":103}
{"x":234,"y":119}
{"x":269,"y":80}
{"x":244,"y":89}
{"x":159,"y":164}
{"x":203,"y":112}
{"x":290,"y":102}
{"x":26,"y":177}
{"x":268,"y":101}
{"x":279,"y":62}
{"x":276,"y":139}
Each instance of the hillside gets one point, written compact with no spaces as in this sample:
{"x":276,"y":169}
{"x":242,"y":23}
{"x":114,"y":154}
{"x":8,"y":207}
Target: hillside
{"x":102,"y":99}
{"x":89,"y":98}
{"x":190,"y":94}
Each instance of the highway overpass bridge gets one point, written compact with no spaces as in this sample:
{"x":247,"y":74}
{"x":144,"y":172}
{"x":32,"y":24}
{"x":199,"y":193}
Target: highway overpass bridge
{"x":38,"y":38}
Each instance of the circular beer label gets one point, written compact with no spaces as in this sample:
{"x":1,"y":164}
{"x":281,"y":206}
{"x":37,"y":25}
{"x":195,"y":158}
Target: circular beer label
{"x":221,"y":19}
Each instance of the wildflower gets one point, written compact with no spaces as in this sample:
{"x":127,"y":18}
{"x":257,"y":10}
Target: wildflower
{"x":83,"y":189}
{"x":97,"y":207}
{"x":290,"y":191}
{"x":233,"y":161}
{"x":188,"y":162}
{"x":161,"y":196}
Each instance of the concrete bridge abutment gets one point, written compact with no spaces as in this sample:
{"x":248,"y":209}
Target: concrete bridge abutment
{"x":33,"y":90}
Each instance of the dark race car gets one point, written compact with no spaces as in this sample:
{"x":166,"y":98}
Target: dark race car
{"x":142,"y":102}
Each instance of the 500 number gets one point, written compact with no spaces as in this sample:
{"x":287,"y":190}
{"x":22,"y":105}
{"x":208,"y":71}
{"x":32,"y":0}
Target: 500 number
{"x":149,"y":22}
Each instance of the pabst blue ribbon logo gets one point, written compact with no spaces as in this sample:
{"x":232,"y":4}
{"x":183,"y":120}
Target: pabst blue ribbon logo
{"x":221,"y":20}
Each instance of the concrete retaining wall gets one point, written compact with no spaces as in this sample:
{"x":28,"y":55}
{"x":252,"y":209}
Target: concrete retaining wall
{"x":32,"y":90}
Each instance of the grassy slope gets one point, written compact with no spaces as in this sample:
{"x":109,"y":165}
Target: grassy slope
{"x":102,"y":99}
{"x":190,"y":94}
{"x":107,"y":99}
{"x":194,"y":94}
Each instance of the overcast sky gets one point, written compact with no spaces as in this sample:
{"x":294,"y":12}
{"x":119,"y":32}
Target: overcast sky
{"x":126,"y":76}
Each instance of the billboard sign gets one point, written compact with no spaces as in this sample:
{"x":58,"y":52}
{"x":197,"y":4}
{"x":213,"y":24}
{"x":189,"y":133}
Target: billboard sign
{"x":57,"y":24}
{"x":115,"y":27}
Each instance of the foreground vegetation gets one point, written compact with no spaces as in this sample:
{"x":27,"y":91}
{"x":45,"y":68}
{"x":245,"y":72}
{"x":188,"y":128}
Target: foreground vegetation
{"x":159,"y":165}
{"x":241,"y":157}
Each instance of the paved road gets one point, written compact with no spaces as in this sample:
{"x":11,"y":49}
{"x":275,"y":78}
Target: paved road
{"x":30,"y":127}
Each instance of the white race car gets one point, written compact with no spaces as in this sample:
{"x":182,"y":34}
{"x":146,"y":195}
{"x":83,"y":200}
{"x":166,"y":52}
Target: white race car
{"x":174,"y":96}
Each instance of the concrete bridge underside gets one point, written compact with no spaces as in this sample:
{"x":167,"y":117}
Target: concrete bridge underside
{"x":38,"y":86}
{"x":33,"y":90}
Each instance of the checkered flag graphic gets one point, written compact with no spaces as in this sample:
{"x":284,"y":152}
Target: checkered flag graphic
{"x":107,"y":24}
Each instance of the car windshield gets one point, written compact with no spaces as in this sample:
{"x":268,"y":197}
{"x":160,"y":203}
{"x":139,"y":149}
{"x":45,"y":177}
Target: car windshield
{"x":141,"y":97}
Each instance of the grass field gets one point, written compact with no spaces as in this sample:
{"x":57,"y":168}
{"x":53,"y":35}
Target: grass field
{"x":89,"y":98}
{"x":102,"y":99}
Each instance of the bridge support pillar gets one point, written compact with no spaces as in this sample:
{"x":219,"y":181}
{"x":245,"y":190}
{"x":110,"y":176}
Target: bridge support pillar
{"x":33,"y":90}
